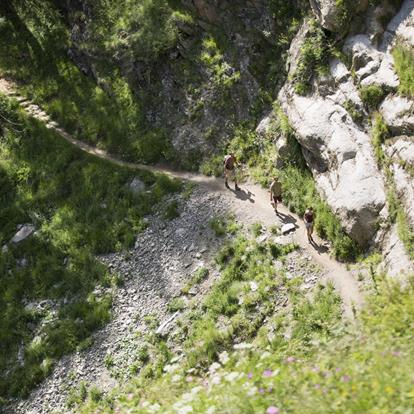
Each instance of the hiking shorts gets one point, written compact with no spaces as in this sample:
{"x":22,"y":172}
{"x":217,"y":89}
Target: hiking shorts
{"x":229,"y":173}
{"x":277,"y":199}
{"x":309,"y":225}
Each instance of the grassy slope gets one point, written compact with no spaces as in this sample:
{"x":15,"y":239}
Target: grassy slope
{"x":304,"y":358}
{"x":80,"y":206}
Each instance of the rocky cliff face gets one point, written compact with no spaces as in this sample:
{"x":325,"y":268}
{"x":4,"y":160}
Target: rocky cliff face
{"x":338,"y":145}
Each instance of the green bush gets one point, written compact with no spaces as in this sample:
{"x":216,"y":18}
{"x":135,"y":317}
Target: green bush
{"x":314,"y":57}
{"x":372,"y":96}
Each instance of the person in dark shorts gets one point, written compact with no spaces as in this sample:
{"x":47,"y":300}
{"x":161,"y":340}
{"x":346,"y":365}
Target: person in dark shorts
{"x":275,"y":193}
{"x":229,"y":164}
{"x":309,"y":218}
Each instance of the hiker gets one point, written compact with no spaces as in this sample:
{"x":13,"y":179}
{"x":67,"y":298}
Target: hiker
{"x":275,"y":193}
{"x":230,"y":163}
{"x":309,"y":218}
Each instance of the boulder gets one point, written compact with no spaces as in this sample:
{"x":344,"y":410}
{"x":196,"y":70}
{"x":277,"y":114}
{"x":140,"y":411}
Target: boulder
{"x":25,"y":231}
{"x":396,"y":261}
{"x":330,"y":14}
{"x":398,"y":114}
{"x":136,"y":185}
{"x":371,"y":65}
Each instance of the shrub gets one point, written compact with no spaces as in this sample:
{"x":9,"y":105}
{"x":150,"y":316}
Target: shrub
{"x":372,"y":96}
{"x":314,"y":56}
{"x":177,"y":304}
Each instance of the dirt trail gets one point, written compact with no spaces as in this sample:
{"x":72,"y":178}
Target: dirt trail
{"x":250,"y":205}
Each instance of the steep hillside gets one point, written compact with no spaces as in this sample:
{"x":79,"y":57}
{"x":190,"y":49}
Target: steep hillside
{"x":124,"y":290}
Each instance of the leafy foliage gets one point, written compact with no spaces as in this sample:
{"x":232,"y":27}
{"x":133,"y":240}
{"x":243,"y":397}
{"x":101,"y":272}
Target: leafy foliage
{"x":404,"y":66}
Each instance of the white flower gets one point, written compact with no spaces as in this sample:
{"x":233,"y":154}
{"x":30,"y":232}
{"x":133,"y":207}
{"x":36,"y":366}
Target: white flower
{"x":232,"y":376}
{"x":187,"y":397}
{"x":154,"y":408}
{"x":211,"y":410}
{"x":253,"y":286}
{"x":184,"y":409}
{"x":243,"y":345}
{"x":196,"y":390}
{"x":265,"y":355}
{"x":216,"y":380}
{"x":251,"y":391}
{"x":145,"y":404}
{"x":224,"y":357}
{"x":214,"y":367}
{"x":176,"y":378}
{"x":241,"y":300}
{"x":171,"y":368}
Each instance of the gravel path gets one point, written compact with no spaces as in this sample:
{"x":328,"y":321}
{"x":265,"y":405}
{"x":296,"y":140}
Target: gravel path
{"x":164,"y":258}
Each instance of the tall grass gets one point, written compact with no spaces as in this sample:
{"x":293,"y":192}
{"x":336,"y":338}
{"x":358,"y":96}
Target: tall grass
{"x":404,"y":66}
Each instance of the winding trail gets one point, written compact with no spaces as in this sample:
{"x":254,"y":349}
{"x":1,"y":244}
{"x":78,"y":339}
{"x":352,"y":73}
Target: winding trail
{"x":249,"y":205}
{"x":163,"y":257}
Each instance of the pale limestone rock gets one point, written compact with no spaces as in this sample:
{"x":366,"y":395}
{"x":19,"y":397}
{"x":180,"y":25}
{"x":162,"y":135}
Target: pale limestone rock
{"x":396,"y":261}
{"x":25,"y":231}
{"x":329,"y":13}
{"x":398,"y":114}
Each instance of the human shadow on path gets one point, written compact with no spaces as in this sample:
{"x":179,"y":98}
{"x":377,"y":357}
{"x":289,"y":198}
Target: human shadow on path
{"x":320,"y":248}
{"x":243,"y":195}
{"x":286,"y":218}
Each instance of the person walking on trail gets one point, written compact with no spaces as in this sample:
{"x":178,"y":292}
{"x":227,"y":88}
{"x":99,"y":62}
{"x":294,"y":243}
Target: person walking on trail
{"x":230,"y":163}
{"x":275,"y":193}
{"x":309,"y":218}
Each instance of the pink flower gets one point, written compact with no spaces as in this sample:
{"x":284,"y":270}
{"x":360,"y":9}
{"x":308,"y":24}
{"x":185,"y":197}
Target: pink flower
{"x":250,"y":375}
{"x":272,"y":410}
{"x":290,"y":359}
{"x":261,"y":390}
{"x":130,"y":396}
{"x":346,"y":378}
{"x":317,"y":386}
{"x":267,"y":373}
{"x":189,"y":379}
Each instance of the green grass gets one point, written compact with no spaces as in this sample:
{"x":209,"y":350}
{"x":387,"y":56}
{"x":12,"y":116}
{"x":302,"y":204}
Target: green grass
{"x":177,"y":304}
{"x":404,"y":66}
{"x":80,"y":207}
{"x":199,"y":276}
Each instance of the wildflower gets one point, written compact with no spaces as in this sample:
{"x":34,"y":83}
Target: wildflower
{"x":176,"y":378}
{"x":267,"y":373}
{"x":216,"y":380}
{"x":211,"y":410}
{"x":251,"y":391}
{"x":196,"y":390}
{"x":317,"y":386}
{"x":154,"y":408}
{"x":290,"y":359}
{"x":214,"y":367}
{"x":224,"y":357}
{"x":243,"y":345}
{"x":272,"y":410}
{"x":189,"y":379}
{"x":261,"y":390}
{"x":184,"y":409}
{"x":231,"y":377}
{"x":396,"y":353}
{"x":250,"y":375}
{"x":130,"y":396}
{"x":337,"y":369}
{"x":346,"y":378}
{"x":253,"y":286}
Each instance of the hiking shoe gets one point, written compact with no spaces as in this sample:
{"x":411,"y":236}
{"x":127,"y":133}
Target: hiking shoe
{"x":237,"y":188}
